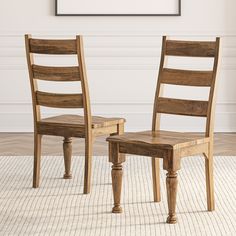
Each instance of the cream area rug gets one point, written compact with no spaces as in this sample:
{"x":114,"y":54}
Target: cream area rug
{"x":58,"y":207}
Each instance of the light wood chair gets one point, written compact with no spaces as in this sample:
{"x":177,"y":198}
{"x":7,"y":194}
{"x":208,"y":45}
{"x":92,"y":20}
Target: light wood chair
{"x":172,"y":146}
{"x":67,"y":126}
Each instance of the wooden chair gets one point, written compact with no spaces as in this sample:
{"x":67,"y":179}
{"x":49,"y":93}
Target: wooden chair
{"x":172,"y":146}
{"x":67,"y":126}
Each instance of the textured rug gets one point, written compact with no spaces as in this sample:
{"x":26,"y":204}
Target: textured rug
{"x":58,"y":207}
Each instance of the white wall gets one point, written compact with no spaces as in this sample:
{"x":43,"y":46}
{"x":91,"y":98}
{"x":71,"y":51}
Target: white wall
{"x":122,"y":56}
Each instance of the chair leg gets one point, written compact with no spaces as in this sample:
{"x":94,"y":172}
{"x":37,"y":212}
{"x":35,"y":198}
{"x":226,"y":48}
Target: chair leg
{"x":171,"y":185}
{"x":37,"y":160}
{"x":117,"y":174}
{"x":156,"y":179}
{"x":88,"y":165}
{"x":209,"y":180}
{"x":67,"y":149}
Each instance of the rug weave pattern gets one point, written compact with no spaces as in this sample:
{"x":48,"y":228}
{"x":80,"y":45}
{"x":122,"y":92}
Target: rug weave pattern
{"x":58,"y":207}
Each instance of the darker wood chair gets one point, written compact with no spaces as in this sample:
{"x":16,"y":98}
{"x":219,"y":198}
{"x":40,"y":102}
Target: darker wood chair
{"x":172,"y":146}
{"x":67,"y":126}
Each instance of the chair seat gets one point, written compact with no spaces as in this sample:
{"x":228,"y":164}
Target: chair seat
{"x":160,"y":139}
{"x":78,"y":121}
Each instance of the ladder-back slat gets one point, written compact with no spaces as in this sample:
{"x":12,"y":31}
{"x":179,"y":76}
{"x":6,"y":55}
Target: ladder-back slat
{"x":56,"y":73}
{"x":182,"y":107}
{"x":59,"y":100}
{"x":186,"y":77}
{"x":190,"y":48}
{"x":48,"y":46}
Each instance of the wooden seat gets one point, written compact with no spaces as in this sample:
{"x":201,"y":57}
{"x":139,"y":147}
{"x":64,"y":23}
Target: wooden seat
{"x":160,"y":139}
{"x":67,"y":126}
{"x":172,"y":146}
{"x":74,"y":125}
{"x":78,"y":121}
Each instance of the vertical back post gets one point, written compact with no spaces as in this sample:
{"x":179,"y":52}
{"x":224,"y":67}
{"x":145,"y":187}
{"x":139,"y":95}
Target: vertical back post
{"x":156,"y":117}
{"x":212,"y":95}
{"x":33,"y":83}
{"x":84,"y":85}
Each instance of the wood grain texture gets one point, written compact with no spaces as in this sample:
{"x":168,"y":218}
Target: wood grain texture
{"x":172,"y":146}
{"x":182,"y":107}
{"x":87,"y":114}
{"x":51,"y":73}
{"x":67,"y":150}
{"x":156,"y":179}
{"x":88,"y":163}
{"x":49,"y":46}
{"x":36,"y":114}
{"x":212,"y":96}
{"x":156,"y":117}
{"x":78,"y":121}
{"x":33,"y":83}
{"x":209,"y":178}
{"x":59,"y":100}
{"x":55,"y":130}
{"x":109,"y":130}
{"x":190,"y":48}
{"x":117,"y":174}
{"x":75,"y":129}
{"x":171,"y":186}
{"x":37,"y":160}
{"x":186,"y":77}
{"x":68,"y":126}
{"x":160,"y":139}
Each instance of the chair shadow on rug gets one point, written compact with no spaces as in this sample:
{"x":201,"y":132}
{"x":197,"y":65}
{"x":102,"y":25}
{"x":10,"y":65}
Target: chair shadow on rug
{"x":172,"y":146}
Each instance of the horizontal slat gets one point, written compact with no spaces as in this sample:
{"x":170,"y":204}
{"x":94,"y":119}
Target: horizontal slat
{"x":45,"y":46}
{"x":186,"y":77}
{"x":56,"y":73}
{"x":59,"y":100}
{"x":190,"y":48}
{"x":182,"y":107}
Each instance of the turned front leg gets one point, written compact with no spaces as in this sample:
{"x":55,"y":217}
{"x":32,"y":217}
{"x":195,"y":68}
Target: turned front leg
{"x":171,"y":185}
{"x":117,"y":174}
{"x":67,"y":149}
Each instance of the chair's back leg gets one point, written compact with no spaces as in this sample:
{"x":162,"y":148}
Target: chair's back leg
{"x":67,"y":149}
{"x":88,"y":164}
{"x":156,"y":179}
{"x":37,"y":159}
{"x":209,"y":178}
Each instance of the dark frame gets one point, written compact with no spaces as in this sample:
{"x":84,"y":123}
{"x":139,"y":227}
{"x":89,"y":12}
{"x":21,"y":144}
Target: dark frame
{"x":177,"y":14}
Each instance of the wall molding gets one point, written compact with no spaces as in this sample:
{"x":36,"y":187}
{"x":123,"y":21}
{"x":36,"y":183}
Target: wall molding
{"x":109,"y":103}
{"x":18,"y":117}
{"x":23,"y":122}
{"x":117,"y":33}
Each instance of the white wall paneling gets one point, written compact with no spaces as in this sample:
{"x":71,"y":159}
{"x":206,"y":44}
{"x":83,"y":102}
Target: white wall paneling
{"x":121,"y":7}
{"x":122,"y":55}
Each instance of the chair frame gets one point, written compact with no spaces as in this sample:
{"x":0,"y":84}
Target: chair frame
{"x":63,"y":74}
{"x":172,"y":156}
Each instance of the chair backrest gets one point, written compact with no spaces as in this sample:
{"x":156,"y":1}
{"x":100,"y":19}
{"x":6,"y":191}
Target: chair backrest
{"x":205,"y":78}
{"x":61,"y":74}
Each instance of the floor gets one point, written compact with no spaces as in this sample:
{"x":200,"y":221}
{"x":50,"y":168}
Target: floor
{"x":58,"y":207}
{"x":20,"y":144}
